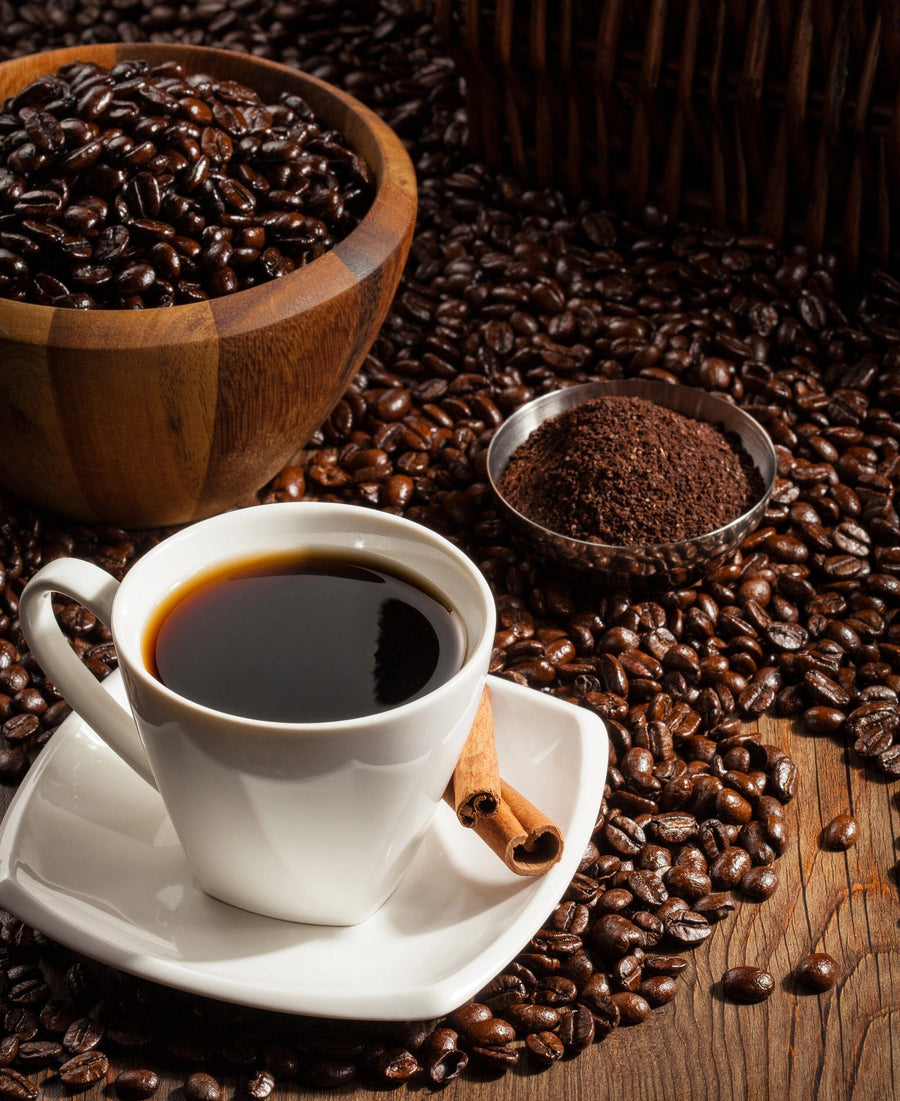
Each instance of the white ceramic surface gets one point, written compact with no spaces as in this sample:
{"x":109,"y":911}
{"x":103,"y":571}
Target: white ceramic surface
{"x":313,"y":822}
{"x":89,"y":856}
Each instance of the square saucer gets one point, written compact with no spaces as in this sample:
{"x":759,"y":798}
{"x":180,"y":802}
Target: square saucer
{"x":89,"y":857}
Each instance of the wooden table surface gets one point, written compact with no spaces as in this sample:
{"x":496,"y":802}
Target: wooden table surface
{"x":844,"y":1043}
{"x":841,"y":1044}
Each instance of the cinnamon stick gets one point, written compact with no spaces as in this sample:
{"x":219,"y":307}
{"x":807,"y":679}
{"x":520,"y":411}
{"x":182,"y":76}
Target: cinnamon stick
{"x":476,"y":778}
{"x":524,"y":838}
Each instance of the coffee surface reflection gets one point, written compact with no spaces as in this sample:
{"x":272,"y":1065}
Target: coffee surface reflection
{"x":304,"y":638}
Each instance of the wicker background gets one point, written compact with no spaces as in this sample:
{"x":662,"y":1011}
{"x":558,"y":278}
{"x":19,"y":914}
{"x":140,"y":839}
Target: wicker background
{"x":772,"y":116}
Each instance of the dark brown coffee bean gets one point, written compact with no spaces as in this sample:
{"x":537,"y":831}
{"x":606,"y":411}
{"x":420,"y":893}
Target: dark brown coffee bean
{"x":625,"y":836}
{"x":578,"y":1025}
{"x":440,"y":1057}
{"x":657,"y":990}
{"x":9,"y":1049}
{"x":545,"y":1047}
{"x":715,"y":906}
{"x":201,"y":1086}
{"x":16,"y":1087}
{"x":490,"y":1032}
{"x":136,"y":1084}
{"x":330,"y":1074}
{"x":39,"y":1053}
{"x":83,"y":1070}
{"x":759,"y":883}
{"x":729,"y":867}
{"x":526,"y":1018}
{"x":469,"y":1014}
{"x":82,"y":1035}
{"x":633,"y":1009}
{"x":818,"y":971}
{"x":823,"y":719}
{"x":841,"y":833}
{"x":747,"y":984}
{"x":687,"y":928}
{"x":396,"y":1065}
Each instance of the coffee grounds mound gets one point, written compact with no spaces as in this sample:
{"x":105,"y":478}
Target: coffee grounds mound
{"x":625,"y":471}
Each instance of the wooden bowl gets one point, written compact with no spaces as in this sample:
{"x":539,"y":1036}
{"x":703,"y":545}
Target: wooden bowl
{"x":155,"y":417}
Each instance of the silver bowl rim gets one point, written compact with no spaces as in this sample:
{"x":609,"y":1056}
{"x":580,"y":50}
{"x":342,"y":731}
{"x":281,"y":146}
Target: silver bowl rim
{"x":568,"y":397}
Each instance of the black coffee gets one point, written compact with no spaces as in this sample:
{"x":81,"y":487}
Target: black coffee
{"x":304,"y":638}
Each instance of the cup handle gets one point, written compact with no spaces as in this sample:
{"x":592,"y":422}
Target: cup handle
{"x":96,"y":590}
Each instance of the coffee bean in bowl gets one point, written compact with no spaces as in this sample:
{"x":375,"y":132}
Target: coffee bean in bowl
{"x":135,"y":176}
{"x":644,"y":481}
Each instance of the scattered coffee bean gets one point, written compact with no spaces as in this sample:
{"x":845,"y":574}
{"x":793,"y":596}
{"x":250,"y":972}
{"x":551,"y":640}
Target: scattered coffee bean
{"x":841,"y":833}
{"x":759,"y":883}
{"x":818,"y":971}
{"x":83,"y":1070}
{"x":747,"y":984}
{"x":16,"y":1087}
{"x":137,"y":1084}
{"x":201,"y":1086}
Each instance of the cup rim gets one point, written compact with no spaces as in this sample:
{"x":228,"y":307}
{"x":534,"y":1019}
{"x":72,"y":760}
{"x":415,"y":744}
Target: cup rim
{"x":131,"y":660}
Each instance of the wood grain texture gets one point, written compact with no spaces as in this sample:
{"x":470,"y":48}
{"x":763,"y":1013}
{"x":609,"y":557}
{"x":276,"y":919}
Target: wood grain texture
{"x":154,"y":417}
{"x":838,"y":1046}
{"x":776,"y":116}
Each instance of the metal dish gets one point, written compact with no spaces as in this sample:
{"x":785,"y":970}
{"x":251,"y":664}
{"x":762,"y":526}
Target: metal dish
{"x":669,"y":563}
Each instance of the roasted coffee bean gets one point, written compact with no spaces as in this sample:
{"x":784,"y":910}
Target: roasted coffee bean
{"x":578,"y":1026}
{"x":201,"y":1086}
{"x":469,"y":1014}
{"x":39,"y":1053}
{"x":729,"y":867}
{"x":545,"y":1047}
{"x":633,"y":1009}
{"x":527,"y":1017}
{"x":714,"y":907}
{"x":82,"y":1035}
{"x":841,"y":833}
{"x":747,"y":984}
{"x":83,"y":1070}
{"x":16,"y":1087}
{"x":818,"y":971}
{"x":657,"y":990}
{"x":441,"y":1058}
{"x":686,"y":927}
{"x":555,"y":990}
{"x":759,"y":883}
{"x":168,"y":179}
{"x":136,"y":1084}
{"x":396,"y":1065}
{"x":490,"y":1031}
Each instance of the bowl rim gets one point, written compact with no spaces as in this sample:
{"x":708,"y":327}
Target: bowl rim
{"x":384,"y":230}
{"x":635,"y":387}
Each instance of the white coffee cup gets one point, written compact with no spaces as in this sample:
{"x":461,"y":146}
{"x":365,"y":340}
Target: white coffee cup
{"x":309,"y":822}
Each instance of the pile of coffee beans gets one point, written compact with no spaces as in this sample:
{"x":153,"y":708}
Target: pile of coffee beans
{"x":627,"y":471}
{"x":511,"y":293}
{"x":137,"y":187}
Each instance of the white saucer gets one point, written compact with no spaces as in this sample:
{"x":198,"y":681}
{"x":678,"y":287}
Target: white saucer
{"x":89,"y":857}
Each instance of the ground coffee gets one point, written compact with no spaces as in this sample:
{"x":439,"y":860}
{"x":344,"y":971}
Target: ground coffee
{"x":624,"y":470}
